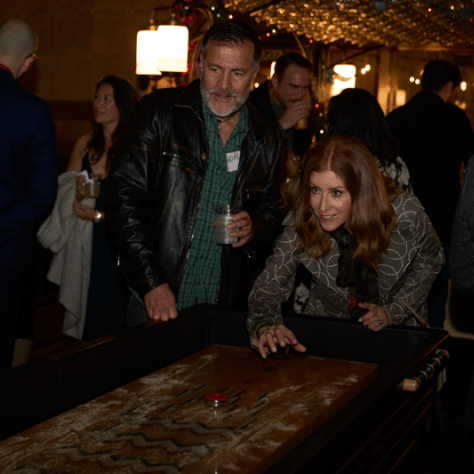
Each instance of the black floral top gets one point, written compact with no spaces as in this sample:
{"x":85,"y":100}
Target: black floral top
{"x":399,"y":173}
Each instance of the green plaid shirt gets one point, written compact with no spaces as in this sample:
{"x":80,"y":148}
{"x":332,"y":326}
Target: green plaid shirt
{"x":200,"y":283}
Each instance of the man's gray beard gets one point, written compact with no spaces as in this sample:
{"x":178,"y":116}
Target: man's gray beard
{"x":241,"y":99}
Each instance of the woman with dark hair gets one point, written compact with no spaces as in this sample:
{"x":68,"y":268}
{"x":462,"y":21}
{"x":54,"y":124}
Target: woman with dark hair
{"x":85,"y":267}
{"x":114,"y":102}
{"x":369,"y":246}
{"x":357,"y":113}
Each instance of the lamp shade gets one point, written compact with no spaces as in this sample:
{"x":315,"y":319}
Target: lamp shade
{"x":147,"y":51}
{"x":345,"y":76}
{"x":172,"y":52}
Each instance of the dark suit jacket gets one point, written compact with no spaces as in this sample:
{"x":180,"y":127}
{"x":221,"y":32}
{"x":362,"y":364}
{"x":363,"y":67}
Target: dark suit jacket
{"x":260,"y":99}
{"x":28,"y":173}
{"x":434,"y":139}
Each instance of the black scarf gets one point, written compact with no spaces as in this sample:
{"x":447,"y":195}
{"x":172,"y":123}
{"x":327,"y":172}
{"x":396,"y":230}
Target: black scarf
{"x":351,"y":272}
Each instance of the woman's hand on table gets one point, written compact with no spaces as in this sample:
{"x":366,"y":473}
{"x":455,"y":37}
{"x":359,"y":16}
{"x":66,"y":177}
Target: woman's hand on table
{"x":376,"y":318}
{"x":273,"y":336}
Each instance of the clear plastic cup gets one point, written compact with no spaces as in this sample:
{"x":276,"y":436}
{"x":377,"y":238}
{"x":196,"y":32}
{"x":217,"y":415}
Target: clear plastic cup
{"x":223,"y":217}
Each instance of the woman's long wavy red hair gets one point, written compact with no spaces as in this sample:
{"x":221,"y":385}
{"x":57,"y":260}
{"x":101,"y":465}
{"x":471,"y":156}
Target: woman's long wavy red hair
{"x":371,"y":219}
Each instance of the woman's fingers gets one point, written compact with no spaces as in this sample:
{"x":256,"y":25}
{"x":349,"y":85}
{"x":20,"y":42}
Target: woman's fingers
{"x":277,"y":336}
{"x":376,"y":317}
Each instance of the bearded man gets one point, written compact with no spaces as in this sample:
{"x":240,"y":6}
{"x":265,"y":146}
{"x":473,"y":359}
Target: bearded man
{"x":190,"y":148}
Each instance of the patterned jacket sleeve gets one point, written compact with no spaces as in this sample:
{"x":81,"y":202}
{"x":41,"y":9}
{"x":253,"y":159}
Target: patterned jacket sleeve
{"x":415,"y":235}
{"x":462,"y":241}
{"x":274,"y":285}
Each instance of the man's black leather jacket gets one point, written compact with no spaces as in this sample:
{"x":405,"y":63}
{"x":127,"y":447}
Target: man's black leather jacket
{"x":155,"y":186}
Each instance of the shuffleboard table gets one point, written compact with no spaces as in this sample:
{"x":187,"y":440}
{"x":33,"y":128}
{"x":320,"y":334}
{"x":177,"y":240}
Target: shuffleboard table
{"x":190,"y":396}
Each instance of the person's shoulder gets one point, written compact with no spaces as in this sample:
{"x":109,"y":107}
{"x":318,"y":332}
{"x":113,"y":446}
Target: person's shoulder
{"x":264,"y":121}
{"x":466,"y":198}
{"x":83,"y":140}
{"x":78,"y":152}
{"x":418,"y":100}
{"x":26,"y":110}
{"x":258,"y":92}
{"x":17,"y":92}
{"x":395,"y":120}
{"x":455,"y":112}
{"x":406,"y":205}
{"x":289,"y":219}
{"x":161,"y":98}
{"x":397,"y":114}
{"x":32,"y":106}
{"x":261,"y":123}
{"x":410,"y":215}
{"x":468,"y":179}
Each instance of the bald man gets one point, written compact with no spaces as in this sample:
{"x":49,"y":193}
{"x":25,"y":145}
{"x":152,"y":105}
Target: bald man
{"x":28,"y":175}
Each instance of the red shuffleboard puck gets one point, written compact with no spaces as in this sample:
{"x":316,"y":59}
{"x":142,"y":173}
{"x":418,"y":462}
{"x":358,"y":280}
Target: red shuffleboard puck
{"x":217,"y":399}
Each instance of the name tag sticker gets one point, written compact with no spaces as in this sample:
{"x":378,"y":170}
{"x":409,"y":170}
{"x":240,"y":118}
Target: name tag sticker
{"x":233,"y":161}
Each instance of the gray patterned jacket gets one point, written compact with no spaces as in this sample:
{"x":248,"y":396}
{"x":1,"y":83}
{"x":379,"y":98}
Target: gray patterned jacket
{"x":408,"y":268}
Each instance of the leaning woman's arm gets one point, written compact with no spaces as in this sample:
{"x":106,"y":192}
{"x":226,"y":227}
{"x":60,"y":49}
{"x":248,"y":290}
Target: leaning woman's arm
{"x":419,"y":248}
{"x":273,"y":286}
{"x":462,"y":240}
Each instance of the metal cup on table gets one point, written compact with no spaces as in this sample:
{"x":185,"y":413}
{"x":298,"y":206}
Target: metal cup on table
{"x":223,"y":217}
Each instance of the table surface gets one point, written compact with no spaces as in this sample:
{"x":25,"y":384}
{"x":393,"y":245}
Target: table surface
{"x":162,"y":423}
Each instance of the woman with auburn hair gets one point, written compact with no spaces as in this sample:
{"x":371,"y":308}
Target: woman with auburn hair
{"x":369,"y":246}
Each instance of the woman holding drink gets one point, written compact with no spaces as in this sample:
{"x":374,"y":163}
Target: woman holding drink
{"x":114,"y":102}
{"x":369,"y":246}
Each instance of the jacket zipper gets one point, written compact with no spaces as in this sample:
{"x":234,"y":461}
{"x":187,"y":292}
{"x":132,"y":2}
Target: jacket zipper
{"x":188,"y":248}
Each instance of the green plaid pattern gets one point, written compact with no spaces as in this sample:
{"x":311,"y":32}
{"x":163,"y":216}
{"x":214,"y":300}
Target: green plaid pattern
{"x":201,"y":277}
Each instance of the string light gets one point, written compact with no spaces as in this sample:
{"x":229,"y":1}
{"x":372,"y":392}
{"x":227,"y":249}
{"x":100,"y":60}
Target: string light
{"x":416,"y":23}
